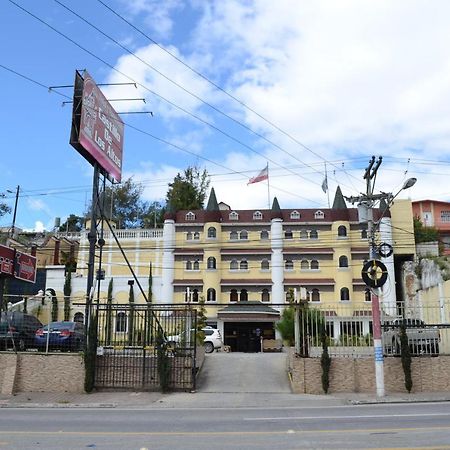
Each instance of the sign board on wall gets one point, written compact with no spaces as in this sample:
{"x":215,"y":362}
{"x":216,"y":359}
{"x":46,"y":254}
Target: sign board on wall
{"x":97,"y":130}
{"x":16,"y":264}
{"x":6,"y":261}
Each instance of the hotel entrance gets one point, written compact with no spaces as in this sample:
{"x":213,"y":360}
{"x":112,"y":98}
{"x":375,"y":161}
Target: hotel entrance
{"x":246,"y":336}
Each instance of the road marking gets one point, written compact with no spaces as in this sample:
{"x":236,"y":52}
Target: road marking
{"x":365,"y":416}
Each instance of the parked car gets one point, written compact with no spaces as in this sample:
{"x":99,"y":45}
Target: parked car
{"x":62,"y":336}
{"x":422,"y":339}
{"x":17,"y":330}
{"x":212,"y":341}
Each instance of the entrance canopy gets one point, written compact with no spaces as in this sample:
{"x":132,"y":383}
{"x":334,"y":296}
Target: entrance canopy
{"x":252,"y":311}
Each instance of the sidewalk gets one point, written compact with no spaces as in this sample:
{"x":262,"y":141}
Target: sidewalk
{"x":157,"y":400}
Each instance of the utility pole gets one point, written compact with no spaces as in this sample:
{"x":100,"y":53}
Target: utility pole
{"x":15,"y":210}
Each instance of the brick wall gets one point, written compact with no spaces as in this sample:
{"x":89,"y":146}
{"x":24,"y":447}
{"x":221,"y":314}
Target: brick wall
{"x":430,"y":374}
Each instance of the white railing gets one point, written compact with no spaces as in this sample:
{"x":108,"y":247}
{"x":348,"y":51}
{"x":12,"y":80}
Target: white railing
{"x":121,"y":234}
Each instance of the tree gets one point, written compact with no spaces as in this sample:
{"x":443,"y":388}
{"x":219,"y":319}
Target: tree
{"x":67,"y":293}
{"x":188,"y":190}
{"x":423,"y":233}
{"x":153,"y":215}
{"x":4,"y":208}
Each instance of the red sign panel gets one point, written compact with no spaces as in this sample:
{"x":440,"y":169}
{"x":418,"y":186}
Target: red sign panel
{"x":97,"y":130}
{"x":6,"y":260}
{"x":25,"y":267}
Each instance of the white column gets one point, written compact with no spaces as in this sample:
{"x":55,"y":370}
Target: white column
{"x":388,"y":297}
{"x":276,"y":232}
{"x":168,"y":261}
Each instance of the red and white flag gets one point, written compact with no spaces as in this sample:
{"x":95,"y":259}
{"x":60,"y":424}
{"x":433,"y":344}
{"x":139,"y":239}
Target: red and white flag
{"x":263,"y":175}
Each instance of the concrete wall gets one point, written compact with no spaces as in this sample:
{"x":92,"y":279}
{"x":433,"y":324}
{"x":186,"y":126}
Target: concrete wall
{"x":37,"y":372}
{"x":430,"y":374}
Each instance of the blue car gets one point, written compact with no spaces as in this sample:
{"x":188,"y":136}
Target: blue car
{"x":68,"y":336}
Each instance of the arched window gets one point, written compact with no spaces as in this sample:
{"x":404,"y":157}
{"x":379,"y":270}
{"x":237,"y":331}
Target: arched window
{"x":211,"y":264}
{"x":234,"y":295}
{"x":196,"y":235}
{"x":243,"y":296}
{"x":234,"y":236}
{"x":188,"y":236}
{"x":288,"y":234}
{"x":244,"y":235}
{"x":234,"y":265}
{"x":343,"y":261}
{"x":304,"y":265}
{"x":367,"y":296}
{"x":313,"y":234}
{"x":315,"y":295}
{"x":190,"y":216}
{"x":345,"y":294}
{"x":211,"y":295}
{"x":121,"y":322}
{"x":265,"y":264}
{"x":342,"y":231}
{"x":78,"y":317}
{"x":212,"y":234}
{"x":188,"y":265}
{"x":363,"y":234}
{"x":257,"y":215}
{"x":303,"y":234}
{"x":314,"y":264}
{"x":196,"y":265}
{"x":265,"y":296}
{"x":195,"y":295}
{"x":243,"y":265}
{"x":289,"y":264}
{"x":264,"y":235}
{"x":233,"y":215}
{"x":295,"y":215}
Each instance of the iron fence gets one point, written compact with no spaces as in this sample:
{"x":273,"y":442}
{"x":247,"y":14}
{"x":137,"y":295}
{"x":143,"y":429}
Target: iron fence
{"x":347,"y":329}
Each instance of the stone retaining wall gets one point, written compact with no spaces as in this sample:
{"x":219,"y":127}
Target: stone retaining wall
{"x":429,"y":374}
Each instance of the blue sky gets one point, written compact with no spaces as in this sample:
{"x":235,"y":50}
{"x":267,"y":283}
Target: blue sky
{"x":317,"y":82}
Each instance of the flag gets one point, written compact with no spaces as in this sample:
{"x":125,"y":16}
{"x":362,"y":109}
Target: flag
{"x":263,"y":175}
{"x":325,"y":184}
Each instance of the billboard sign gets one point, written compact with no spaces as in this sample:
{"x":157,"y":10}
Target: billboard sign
{"x":97,"y":130}
{"x":16,"y":264}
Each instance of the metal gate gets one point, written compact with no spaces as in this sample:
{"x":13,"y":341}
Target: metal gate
{"x":146,"y":347}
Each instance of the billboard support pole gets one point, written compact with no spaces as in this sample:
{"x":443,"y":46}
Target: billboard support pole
{"x":92,"y":238}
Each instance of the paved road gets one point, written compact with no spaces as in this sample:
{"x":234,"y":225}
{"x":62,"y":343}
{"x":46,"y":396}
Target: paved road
{"x":244,"y":372}
{"x":413,"y":426}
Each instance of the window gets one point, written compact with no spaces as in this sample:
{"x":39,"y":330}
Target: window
{"x":343,"y":261}
{"x":234,"y":265}
{"x":265,"y":264}
{"x":289,"y":264}
{"x":288,"y":234}
{"x":445,"y":216}
{"x":295,"y":215}
{"x":367,"y":296}
{"x":196,"y":236}
{"x":265,"y":296}
{"x":243,"y":296}
{"x":257,"y":215}
{"x":313,"y":234}
{"x":303,"y":234}
{"x":211,"y":295}
{"x":121,"y":322}
{"x":244,"y":235}
{"x":188,"y":265}
{"x":233,"y":295}
{"x":363,"y":234}
{"x":314,"y":264}
{"x":304,"y":264}
{"x":190,"y":216}
{"x":264,"y":235}
{"x":188,"y":236}
{"x":211,"y":264}
{"x":345,"y":294}
{"x":319,"y":215}
{"x":315,"y":295}
{"x":233,"y":215}
{"x":196,"y":265}
{"x":78,"y":317}
{"x":212,"y":233}
{"x":342,"y":231}
{"x":195,"y":295}
{"x":243,"y":265}
{"x":234,"y":236}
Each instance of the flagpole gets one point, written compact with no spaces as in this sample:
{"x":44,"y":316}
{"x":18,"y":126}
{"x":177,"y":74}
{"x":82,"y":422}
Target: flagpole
{"x":268,"y":187}
{"x":328,"y":190}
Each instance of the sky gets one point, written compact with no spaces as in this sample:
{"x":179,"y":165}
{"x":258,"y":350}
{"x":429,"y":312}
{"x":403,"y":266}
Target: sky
{"x":309,"y":88}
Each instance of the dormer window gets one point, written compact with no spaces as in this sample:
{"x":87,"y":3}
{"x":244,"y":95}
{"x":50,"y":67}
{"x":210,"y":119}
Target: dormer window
{"x":190,"y":216}
{"x":295,"y":215}
{"x":319,"y":215}
{"x":257,"y":215}
{"x":233,"y":215}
